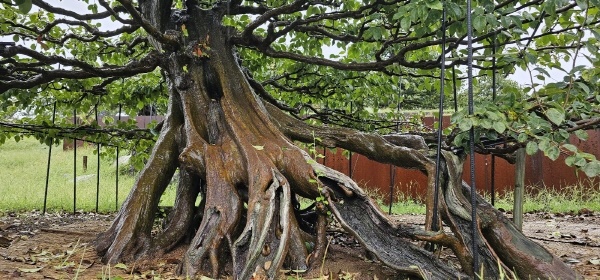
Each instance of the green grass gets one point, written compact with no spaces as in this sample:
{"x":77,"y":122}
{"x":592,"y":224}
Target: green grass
{"x":570,"y":199}
{"x":404,"y":205}
{"x":23,"y":179}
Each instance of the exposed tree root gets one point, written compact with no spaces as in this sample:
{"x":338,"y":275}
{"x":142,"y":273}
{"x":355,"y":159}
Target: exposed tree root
{"x":320,"y":247}
{"x":500,"y":245}
{"x":129,"y":236}
{"x":249,"y":223}
{"x":180,"y":220}
{"x":357,"y":213}
{"x":493,"y":230}
{"x":261,"y":248}
{"x":222,"y":214}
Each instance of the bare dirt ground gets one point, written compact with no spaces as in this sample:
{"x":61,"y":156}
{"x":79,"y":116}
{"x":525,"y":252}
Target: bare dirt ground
{"x":58,"y":246}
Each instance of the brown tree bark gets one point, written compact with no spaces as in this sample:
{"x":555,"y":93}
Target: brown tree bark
{"x":236,"y":154}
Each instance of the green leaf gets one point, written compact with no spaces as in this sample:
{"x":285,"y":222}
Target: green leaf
{"x":580,"y":162}
{"x":479,"y":22}
{"x":93,"y":8}
{"x":455,"y":9}
{"x":312,"y":10}
{"x":491,"y":20}
{"x":121,"y":266}
{"x":499,"y":127}
{"x":465,"y":124}
{"x":570,"y":147}
{"x":582,"y":4}
{"x":435,"y":5}
{"x":485,"y":123}
{"x":184,"y":30}
{"x":544,"y":143}
{"x":492,"y":115}
{"x":405,"y":23}
{"x":570,"y":161}
{"x":48,"y":141}
{"x":584,"y":87}
{"x":581,"y":134}
{"x":376,"y":32}
{"x":592,"y":169}
{"x":25,"y":7}
{"x":555,"y":116}
{"x":398,"y":15}
{"x":531,"y":148}
{"x":553,"y":152}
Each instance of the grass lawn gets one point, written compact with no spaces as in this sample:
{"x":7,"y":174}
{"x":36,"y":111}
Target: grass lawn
{"x":23,"y":179}
{"x":571,"y":199}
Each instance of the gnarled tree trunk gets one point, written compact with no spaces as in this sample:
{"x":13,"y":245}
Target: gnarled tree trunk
{"x":236,"y":154}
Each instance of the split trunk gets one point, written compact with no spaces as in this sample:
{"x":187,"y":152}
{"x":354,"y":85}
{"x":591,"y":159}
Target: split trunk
{"x":240,"y":176}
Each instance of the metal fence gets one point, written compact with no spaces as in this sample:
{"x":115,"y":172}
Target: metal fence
{"x":382,"y":178}
{"x":540,"y":172}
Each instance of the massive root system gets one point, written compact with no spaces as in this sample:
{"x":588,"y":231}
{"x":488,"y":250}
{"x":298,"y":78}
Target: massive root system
{"x":236,"y":156}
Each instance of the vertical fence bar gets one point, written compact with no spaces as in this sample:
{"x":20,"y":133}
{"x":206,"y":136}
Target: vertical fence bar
{"x":117,"y":171}
{"x":471,"y":106}
{"x":98,"y":179}
{"x":393,"y":167}
{"x":350,"y":152}
{"x":48,"y":165}
{"x":117,"y":182}
{"x":435,"y":220}
{"x":392,"y":181}
{"x":98,"y":163}
{"x":350,"y":164}
{"x":493,"y":182}
{"x":74,"y":164}
{"x":454,"y":90}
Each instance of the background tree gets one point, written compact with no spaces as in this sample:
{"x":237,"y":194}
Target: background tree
{"x":483,"y":90}
{"x":242,"y":76}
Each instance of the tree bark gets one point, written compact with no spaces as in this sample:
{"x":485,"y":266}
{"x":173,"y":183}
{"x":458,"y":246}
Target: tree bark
{"x":235,"y":153}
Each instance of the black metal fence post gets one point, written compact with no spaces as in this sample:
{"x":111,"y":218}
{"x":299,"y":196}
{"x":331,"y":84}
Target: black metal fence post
{"x":49,"y":158}
{"x":74,"y":165}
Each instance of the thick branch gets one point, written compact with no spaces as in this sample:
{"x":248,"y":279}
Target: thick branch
{"x":153,"y":30}
{"x":80,"y":131}
{"x":372,"y":146}
{"x":145,"y":65}
{"x":285,"y":9}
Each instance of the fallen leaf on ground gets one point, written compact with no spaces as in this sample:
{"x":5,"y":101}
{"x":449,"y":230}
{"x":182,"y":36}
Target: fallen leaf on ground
{"x":30,"y":270}
{"x":121,"y":266}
